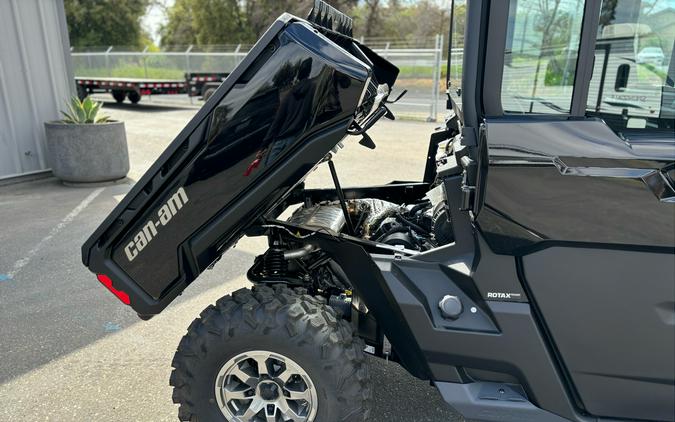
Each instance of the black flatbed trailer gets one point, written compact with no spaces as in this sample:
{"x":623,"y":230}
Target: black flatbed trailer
{"x":131,"y":88}
{"x":203,"y":84}
{"x":194,"y":84}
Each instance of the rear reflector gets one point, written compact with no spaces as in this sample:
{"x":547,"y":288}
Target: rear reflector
{"x":107,"y":282}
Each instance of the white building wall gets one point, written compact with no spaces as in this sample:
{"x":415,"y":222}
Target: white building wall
{"x":36,"y":79}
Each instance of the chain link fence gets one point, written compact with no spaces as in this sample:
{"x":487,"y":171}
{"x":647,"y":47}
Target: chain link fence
{"x":421,"y":63}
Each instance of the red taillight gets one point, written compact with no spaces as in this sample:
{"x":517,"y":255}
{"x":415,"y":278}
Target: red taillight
{"x":107,"y":282}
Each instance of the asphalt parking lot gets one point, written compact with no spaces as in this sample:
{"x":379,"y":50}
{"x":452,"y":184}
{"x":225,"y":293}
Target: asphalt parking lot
{"x":414,"y":105}
{"x":71,"y":352}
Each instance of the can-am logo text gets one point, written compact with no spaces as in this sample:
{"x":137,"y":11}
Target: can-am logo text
{"x":150,"y":229}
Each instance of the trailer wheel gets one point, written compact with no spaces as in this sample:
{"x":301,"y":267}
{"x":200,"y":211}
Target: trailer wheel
{"x":208,"y":93}
{"x":271,"y":355}
{"x":134,"y":96}
{"x":118,"y":95}
{"x":81,"y":92}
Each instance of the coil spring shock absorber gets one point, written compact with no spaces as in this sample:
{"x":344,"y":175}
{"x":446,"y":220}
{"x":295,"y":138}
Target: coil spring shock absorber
{"x":274,"y":262}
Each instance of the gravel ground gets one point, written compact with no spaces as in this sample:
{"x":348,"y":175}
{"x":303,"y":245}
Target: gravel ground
{"x":71,"y":352}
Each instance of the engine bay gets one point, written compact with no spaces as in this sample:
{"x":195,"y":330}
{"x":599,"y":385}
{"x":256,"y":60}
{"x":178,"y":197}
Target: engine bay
{"x":408,"y":218}
{"x":419,"y":226}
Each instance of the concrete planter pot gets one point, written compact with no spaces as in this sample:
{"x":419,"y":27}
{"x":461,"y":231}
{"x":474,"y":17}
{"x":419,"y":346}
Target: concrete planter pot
{"x":87,"y":153}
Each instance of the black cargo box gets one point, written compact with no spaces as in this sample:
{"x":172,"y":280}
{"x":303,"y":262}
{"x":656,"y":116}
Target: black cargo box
{"x":277,"y":115}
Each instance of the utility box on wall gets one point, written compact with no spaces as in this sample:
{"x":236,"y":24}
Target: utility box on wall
{"x":36,"y":78}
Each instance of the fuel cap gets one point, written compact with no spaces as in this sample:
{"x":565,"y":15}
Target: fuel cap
{"x":451,"y":306}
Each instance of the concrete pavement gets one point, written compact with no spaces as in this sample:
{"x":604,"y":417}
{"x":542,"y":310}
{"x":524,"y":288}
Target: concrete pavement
{"x":414,"y":105}
{"x":71,"y":352}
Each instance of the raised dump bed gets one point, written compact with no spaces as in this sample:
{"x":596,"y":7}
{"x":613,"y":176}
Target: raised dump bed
{"x":299,"y":91}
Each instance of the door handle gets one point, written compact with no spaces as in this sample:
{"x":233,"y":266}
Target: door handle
{"x":655,"y":180}
{"x":660,"y":185}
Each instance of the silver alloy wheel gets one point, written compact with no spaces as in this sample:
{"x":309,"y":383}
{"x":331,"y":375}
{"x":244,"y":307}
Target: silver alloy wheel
{"x":264,"y":386}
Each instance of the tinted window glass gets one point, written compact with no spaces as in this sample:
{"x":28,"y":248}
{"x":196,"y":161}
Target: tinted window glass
{"x":457,"y":47}
{"x":541,"y":55}
{"x":632,"y":84}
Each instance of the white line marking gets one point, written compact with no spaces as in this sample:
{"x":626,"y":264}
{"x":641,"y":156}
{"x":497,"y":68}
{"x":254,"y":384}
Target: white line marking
{"x":18,"y":265}
{"x":413,"y":104}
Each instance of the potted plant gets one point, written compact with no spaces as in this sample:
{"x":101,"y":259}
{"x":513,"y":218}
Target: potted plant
{"x":85,"y":147}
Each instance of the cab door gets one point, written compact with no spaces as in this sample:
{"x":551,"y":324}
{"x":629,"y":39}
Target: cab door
{"x":577,"y":185}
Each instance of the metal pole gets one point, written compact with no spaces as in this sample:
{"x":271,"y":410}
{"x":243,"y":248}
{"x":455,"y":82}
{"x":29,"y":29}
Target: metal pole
{"x":187,"y":71}
{"x":107,"y":60}
{"x":145,"y":62}
{"x":386,"y":51}
{"x":448,"y":65}
{"x":236,"y":55}
{"x":434,"y":84}
{"x":441,"y":39}
{"x":436,"y":78}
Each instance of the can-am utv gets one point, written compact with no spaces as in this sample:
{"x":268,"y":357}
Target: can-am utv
{"x":530,"y":276}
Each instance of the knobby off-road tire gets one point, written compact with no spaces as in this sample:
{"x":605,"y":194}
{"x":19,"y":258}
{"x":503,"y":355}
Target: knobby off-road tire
{"x":280,"y":320}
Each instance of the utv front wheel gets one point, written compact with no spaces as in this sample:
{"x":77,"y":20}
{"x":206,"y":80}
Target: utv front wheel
{"x":270,"y":355}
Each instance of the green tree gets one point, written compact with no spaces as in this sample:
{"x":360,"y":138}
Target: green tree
{"x":261,"y":13}
{"x":204,"y":22}
{"x":105,"y":22}
{"x":178,"y":28}
{"x":219,"y":22}
{"x":415,"y":22}
{"x":554,"y":26}
{"x":372,"y":17}
{"x":458,"y":25}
